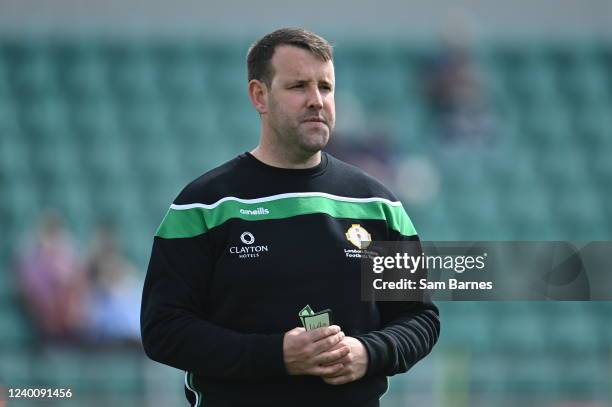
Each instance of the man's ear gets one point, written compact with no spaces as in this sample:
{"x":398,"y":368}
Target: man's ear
{"x":258,"y":93}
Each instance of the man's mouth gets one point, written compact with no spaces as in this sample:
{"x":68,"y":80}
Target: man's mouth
{"x":314,"y":120}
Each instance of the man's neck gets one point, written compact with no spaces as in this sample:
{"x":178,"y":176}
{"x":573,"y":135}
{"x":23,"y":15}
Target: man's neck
{"x":282,"y":159}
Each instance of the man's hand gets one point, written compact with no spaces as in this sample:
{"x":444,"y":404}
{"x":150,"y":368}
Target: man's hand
{"x":314,"y":352}
{"x":355,"y":363}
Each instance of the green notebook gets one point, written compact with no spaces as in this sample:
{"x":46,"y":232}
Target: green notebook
{"x":313,"y":320}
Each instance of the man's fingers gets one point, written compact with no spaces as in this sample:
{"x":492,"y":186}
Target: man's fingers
{"x":345,"y":360}
{"x":327,"y":343}
{"x":337,"y":380}
{"x":339,"y":373}
{"x":332,"y":357}
{"x":327,"y":370}
{"x":324,"y":332}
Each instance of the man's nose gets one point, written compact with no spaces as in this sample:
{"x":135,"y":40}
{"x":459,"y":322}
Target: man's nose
{"x":315,"y":100}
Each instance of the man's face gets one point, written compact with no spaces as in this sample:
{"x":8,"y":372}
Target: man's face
{"x":301,"y":110}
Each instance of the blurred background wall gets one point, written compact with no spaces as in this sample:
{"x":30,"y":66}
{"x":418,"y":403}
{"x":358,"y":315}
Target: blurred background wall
{"x":491,"y":120}
{"x":389,"y":17}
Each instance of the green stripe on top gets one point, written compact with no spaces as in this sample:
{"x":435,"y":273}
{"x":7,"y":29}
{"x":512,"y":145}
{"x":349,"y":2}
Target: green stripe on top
{"x":183,"y":221}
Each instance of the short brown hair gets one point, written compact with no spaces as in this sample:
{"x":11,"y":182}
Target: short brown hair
{"x":260,"y":53}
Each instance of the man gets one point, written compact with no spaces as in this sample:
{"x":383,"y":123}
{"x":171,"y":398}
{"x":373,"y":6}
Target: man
{"x":248,"y":244}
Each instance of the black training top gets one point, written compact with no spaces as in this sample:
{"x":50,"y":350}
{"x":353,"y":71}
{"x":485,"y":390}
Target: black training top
{"x":242,"y":250}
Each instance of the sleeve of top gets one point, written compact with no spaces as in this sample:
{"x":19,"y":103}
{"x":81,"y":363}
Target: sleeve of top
{"x":409,"y":329}
{"x":173,"y":327}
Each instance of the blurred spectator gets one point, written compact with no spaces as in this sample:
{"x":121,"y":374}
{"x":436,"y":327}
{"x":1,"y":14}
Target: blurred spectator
{"x":52,"y":282}
{"x":454,"y":90}
{"x":370,"y":151}
{"x":417,"y":180}
{"x":114,"y":300}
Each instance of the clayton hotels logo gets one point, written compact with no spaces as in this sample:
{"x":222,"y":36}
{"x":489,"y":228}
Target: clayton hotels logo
{"x":250,"y":250}
{"x":247,"y":238}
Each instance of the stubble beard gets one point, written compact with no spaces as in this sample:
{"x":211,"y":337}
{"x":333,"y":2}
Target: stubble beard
{"x":294,"y":136}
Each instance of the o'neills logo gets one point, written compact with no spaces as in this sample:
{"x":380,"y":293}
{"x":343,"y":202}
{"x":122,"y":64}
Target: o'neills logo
{"x":248,"y":251}
{"x":258,"y":211}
